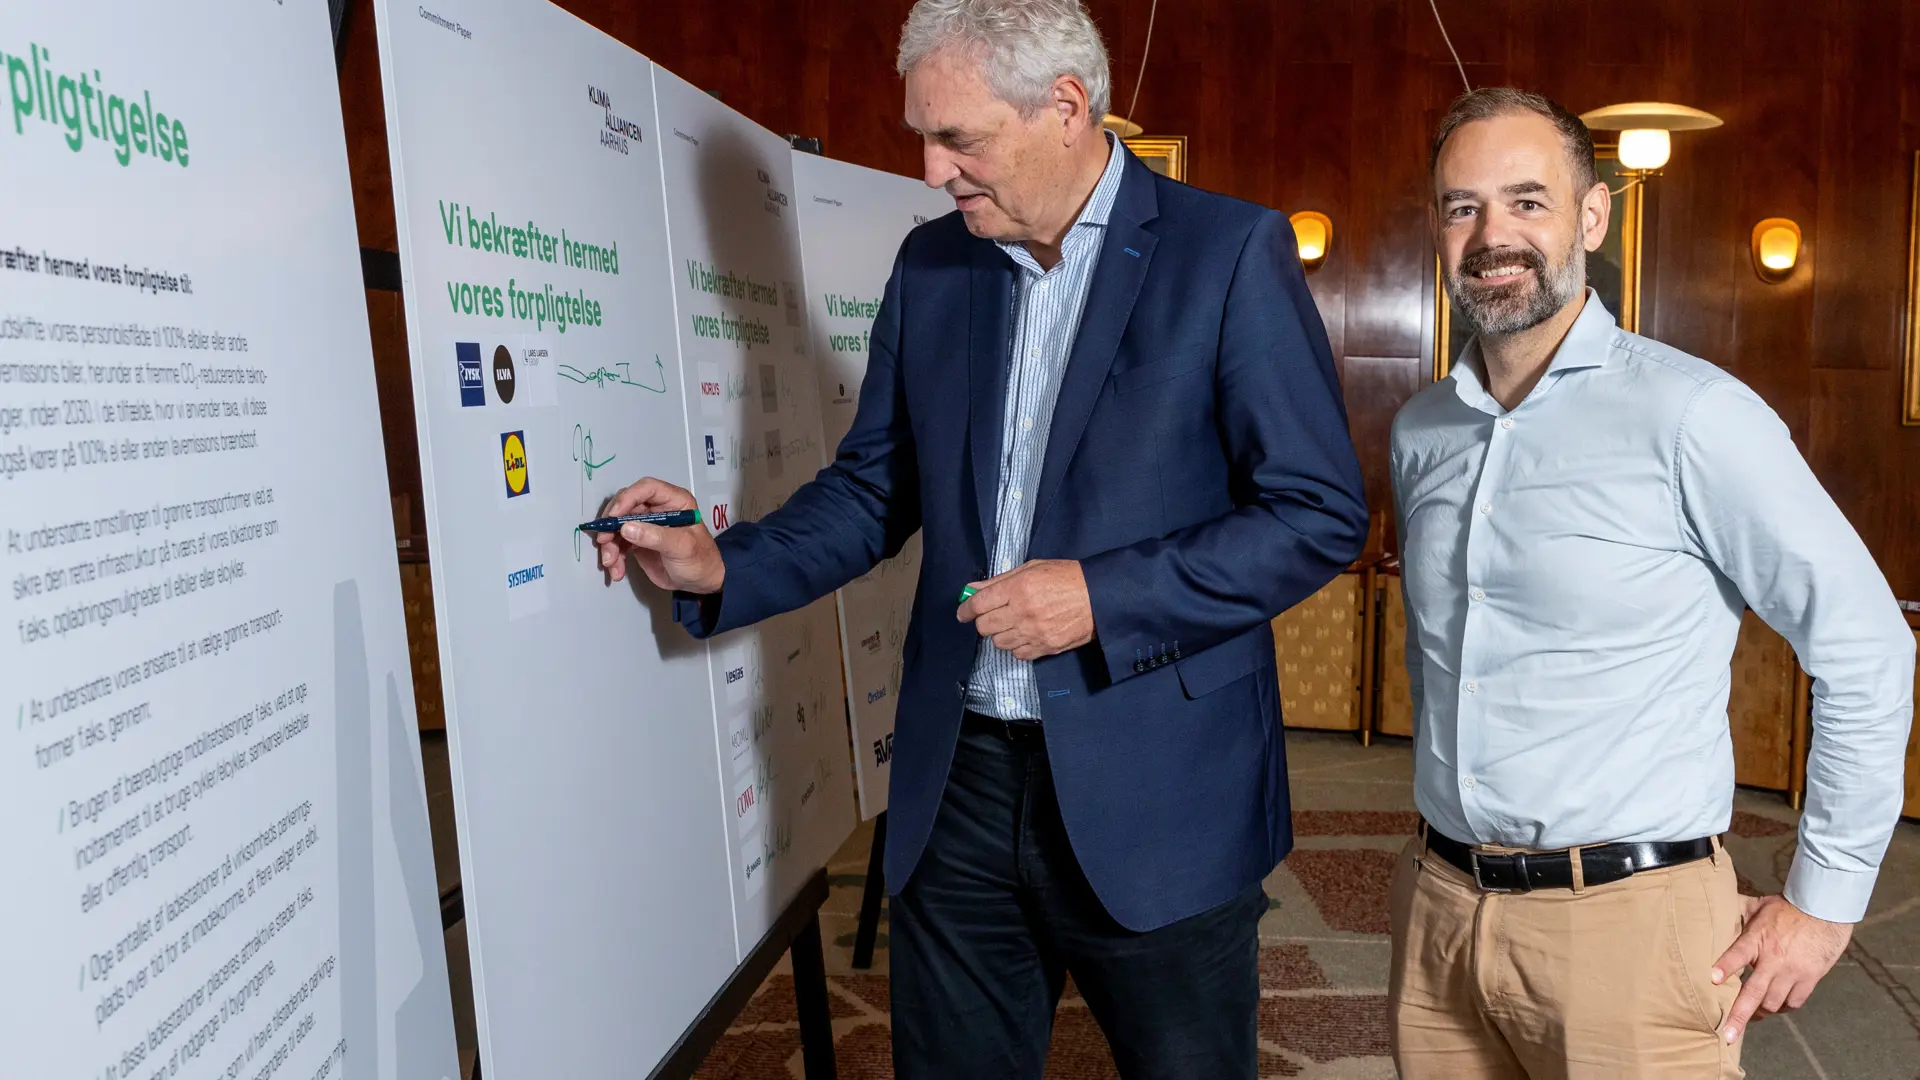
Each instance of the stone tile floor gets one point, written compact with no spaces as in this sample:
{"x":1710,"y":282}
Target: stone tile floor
{"x":1326,"y":951}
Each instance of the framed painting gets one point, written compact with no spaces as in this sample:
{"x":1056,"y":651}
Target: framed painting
{"x":1613,"y":271}
{"x":1164,"y":154}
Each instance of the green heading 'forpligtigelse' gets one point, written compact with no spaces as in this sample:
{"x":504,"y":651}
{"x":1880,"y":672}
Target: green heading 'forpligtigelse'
{"x":83,"y":107}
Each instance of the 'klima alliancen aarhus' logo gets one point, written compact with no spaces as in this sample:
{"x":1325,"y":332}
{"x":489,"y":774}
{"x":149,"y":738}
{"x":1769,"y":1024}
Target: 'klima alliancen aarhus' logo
{"x":617,"y":134}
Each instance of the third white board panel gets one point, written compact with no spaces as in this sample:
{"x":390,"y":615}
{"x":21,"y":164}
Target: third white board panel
{"x":852,"y":221}
{"x":754,"y":424}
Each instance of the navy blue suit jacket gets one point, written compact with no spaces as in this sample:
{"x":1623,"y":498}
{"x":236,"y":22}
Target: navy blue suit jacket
{"x":1200,"y":469}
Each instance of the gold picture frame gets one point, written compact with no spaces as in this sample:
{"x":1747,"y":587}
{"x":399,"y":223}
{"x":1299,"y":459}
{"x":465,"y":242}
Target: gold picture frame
{"x":1624,"y":243}
{"x":1164,"y":154}
{"x":1910,"y":381}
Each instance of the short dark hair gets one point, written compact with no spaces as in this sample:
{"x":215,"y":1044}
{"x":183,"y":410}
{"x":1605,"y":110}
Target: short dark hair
{"x":1491,"y":101}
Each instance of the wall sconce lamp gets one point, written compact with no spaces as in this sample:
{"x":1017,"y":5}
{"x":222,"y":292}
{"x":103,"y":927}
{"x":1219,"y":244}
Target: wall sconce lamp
{"x":1776,"y":249}
{"x":1120,"y":126}
{"x":1644,"y":127}
{"x":1314,"y":232}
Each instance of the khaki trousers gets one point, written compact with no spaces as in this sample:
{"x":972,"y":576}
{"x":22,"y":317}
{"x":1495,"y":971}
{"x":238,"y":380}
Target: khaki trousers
{"x":1612,"y":981}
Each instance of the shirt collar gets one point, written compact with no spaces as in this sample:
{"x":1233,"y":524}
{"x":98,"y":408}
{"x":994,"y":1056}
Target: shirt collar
{"x":1589,"y":343}
{"x":1099,"y":205}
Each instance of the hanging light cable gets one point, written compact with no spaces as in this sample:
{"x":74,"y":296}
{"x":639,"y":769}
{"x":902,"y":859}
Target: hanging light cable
{"x":1444,"y":36}
{"x":1144,"y":46}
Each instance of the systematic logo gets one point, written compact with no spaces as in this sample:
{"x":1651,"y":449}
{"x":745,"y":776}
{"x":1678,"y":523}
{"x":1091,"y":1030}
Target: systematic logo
{"x":526,"y":575}
{"x":473,"y":390}
{"x":513,"y":463}
{"x":503,"y":374}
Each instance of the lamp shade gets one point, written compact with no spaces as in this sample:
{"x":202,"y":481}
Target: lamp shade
{"x":1776,"y":249}
{"x":1645,"y":144}
{"x":1120,"y":126}
{"x":1313,"y":232}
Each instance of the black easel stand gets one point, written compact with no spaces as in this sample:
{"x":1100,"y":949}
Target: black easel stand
{"x":871,"y":895}
{"x":798,"y":929}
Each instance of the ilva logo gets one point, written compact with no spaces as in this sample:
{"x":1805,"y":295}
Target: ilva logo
{"x":513,"y":462}
{"x":617,"y":134}
{"x":503,"y":373}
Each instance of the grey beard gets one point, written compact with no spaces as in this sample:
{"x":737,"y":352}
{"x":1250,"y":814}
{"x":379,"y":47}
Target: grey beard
{"x":1499,"y":316}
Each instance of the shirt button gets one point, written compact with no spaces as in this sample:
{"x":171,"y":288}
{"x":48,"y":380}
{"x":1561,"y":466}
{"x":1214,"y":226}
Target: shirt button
{"x":1506,"y":422}
{"x":1008,"y":703}
{"x":1034,"y":353}
{"x":1016,"y":494}
{"x":1486,"y":508}
{"x":1468,"y":782}
{"x":1026,"y":424}
{"x":1473,"y":687}
{"x":1479,"y":594}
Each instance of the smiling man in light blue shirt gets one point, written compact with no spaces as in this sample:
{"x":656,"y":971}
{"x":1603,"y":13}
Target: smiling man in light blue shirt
{"x":1584,"y":513}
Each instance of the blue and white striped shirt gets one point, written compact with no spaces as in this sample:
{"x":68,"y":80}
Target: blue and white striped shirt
{"x":1048,"y":305}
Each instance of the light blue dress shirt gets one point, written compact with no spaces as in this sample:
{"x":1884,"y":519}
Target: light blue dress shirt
{"x":1047,"y":309}
{"x":1575,"y":573}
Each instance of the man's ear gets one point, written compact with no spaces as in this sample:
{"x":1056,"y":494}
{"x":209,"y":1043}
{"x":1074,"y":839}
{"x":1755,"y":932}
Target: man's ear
{"x":1596,"y":211}
{"x":1070,"y":104}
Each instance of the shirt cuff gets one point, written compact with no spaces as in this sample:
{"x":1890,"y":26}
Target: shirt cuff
{"x":1825,"y":893}
{"x":698,"y":614}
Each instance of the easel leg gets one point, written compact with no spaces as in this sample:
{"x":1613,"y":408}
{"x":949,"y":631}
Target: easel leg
{"x":810,"y":994}
{"x":870,"y":896}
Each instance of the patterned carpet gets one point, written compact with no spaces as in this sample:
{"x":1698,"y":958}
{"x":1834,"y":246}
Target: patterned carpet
{"x":1325,"y":950}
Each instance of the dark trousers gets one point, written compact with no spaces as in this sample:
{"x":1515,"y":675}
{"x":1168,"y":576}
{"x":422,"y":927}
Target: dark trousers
{"x":998,"y":913}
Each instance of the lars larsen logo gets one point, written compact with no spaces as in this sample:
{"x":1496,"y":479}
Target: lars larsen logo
{"x":616,"y":134}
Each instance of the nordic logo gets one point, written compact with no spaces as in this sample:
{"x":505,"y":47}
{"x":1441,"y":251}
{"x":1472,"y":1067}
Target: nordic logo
{"x":617,"y":134}
{"x":87,"y":111}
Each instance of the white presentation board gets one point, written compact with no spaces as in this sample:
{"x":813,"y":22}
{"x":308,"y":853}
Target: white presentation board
{"x":753,"y":411}
{"x":852,"y":221}
{"x":594,"y":861}
{"x":212,"y":819}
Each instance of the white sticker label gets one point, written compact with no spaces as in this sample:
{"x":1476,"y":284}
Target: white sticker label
{"x":536,"y":367}
{"x":753,"y":864}
{"x":712,"y":390}
{"x":524,"y":576}
{"x":740,"y":742}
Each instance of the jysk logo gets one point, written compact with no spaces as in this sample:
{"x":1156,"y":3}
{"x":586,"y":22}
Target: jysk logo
{"x":513,"y":462}
{"x":527,"y":576}
{"x":503,"y":374}
{"x":472,"y":384}
{"x":617,"y":134}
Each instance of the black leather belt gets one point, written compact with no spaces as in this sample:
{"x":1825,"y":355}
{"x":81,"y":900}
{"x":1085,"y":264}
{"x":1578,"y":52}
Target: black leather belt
{"x":1600,"y":864}
{"x":1023,"y":733}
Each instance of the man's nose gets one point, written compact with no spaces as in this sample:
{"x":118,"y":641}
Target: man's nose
{"x":937,"y":165}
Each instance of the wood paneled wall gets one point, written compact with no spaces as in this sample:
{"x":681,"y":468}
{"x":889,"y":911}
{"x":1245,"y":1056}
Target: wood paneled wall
{"x":1329,"y":104}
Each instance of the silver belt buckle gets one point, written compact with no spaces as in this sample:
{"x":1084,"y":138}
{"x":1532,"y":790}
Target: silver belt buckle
{"x":1474,"y":857}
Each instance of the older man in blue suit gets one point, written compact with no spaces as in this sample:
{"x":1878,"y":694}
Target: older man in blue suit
{"x":1107,"y":401}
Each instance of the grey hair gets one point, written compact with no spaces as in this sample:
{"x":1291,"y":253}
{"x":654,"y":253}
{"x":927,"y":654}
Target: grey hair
{"x":1022,"y":47}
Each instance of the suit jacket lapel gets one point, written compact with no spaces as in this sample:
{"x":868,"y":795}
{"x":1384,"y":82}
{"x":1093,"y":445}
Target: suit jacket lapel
{"x":1125,"y":252}
{"x":989,"y":336}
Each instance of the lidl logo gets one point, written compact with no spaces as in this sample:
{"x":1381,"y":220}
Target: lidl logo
{"x":472,"y":383}
{"x":513,"y":462}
